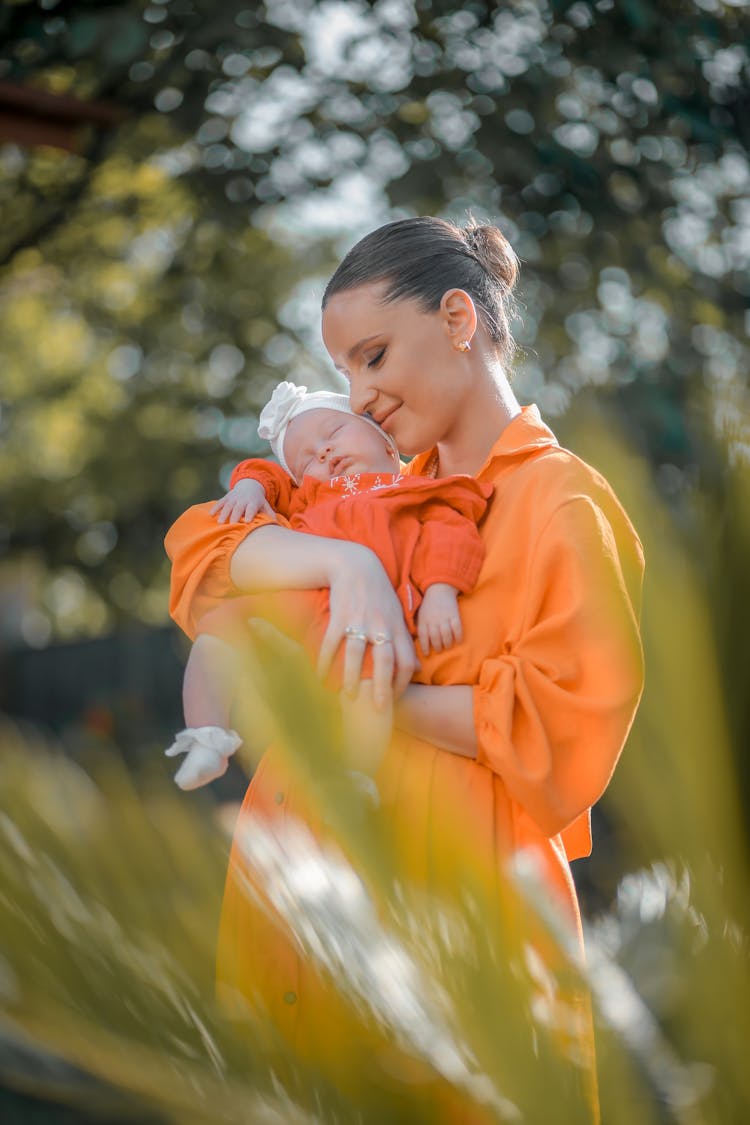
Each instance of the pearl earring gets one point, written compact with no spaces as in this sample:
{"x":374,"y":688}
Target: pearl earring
{"x":463,"y":346}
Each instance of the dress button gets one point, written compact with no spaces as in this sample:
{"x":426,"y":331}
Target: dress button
{"x":290,"y":997}
{"x":279,"y":798}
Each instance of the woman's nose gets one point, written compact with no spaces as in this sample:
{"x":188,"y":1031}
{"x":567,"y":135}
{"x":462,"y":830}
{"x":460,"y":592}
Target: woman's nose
{"x":361,"y":396}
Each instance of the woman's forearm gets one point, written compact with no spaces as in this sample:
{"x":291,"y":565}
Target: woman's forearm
{"x":277,"y":558}
{"x":363,"y":606}
{"x":442,"y":715}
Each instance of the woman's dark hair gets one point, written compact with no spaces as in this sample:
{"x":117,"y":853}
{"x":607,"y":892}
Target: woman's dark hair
{"x":423,"y":257}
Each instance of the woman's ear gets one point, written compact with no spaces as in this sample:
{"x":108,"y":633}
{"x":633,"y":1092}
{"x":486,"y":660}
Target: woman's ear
{"x":459,"y":316}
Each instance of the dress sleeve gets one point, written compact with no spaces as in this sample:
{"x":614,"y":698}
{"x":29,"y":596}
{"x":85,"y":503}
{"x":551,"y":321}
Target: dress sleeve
{"x":553,"y":709}
{"x":277,"y":484}
{"x":200,"y":549}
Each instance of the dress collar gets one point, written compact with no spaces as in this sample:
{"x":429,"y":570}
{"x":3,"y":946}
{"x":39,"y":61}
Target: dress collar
{"x":523,"y":435}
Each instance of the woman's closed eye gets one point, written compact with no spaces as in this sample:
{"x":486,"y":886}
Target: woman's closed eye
{"x":376,"y":359}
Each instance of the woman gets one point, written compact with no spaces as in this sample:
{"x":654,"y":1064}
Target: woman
{"x":510,"y":736}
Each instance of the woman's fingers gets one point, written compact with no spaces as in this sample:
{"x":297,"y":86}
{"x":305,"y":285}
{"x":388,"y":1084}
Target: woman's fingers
{"x":354,"y":653}
{"x":328,"y":648}
{"x":364,"y":610}
{"x":405,"y":661}
{"x":383,"y":663}
{"x":394,"y":660}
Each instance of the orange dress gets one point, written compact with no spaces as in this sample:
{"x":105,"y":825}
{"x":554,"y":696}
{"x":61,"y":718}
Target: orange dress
{"x":552,"y":649}
{"x":423,"y":531}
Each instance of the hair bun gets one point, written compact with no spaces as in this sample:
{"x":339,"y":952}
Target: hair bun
{"x":494,"y":252}
{"x":422,"y":257}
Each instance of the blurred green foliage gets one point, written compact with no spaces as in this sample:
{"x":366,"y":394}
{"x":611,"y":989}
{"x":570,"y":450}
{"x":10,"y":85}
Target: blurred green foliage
{"x":157,"y":281}
{"x":111,"y":887}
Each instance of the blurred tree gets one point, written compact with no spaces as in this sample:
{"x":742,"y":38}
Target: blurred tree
{"x":156,"y":280}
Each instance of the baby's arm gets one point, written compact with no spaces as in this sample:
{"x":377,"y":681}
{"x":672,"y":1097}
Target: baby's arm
{"x":438,"y":618}
{"x":447,"y":561}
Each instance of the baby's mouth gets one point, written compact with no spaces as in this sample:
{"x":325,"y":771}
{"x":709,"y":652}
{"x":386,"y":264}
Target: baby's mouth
{"x":338,"y":466}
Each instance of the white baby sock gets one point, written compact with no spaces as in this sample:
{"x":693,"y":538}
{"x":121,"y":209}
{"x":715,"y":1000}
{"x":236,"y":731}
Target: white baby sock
{"x":207,"y":750}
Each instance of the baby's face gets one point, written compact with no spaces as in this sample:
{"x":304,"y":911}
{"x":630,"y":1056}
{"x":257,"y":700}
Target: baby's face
{"x":329,"y":443}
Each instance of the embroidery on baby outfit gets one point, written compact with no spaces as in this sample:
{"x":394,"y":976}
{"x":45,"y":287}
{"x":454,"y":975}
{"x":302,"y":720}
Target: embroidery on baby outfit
{"x":353,"y":485}
{"x":380,"y":483}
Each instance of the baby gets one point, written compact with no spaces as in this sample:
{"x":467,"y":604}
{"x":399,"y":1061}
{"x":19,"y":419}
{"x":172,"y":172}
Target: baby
{"x":339,"y":475}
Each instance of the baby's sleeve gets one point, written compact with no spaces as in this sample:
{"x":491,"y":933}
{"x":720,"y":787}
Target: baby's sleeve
{"x":449,"y":548}
{"x":277,"y":484}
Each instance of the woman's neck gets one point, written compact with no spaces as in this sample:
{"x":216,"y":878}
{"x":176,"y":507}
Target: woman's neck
{"x":491,"y":406}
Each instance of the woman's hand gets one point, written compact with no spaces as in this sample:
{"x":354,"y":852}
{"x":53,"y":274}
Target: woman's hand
{"x":243,"y":502}
{"x":364,"y":610}
{"x":362,"y":601}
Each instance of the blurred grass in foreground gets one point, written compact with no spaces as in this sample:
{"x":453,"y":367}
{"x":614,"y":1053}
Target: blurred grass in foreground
{"x":110,"y":890}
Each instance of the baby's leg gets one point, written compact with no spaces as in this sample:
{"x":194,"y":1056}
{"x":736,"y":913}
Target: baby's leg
{"x":366,"y":729}
{"x":211,"y":682}
{"x":210,"y":686}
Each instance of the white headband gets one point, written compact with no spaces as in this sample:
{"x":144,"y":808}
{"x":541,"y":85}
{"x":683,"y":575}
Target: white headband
{"x":288,"y":401}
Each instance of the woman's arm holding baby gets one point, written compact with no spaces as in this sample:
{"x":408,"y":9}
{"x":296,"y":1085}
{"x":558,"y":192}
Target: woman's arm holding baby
{"x":361,"y":598}
{"x":440,"y":714}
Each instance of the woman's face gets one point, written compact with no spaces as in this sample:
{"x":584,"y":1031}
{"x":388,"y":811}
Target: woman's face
{"x":329,"y":443}
{"x":401,"y":363}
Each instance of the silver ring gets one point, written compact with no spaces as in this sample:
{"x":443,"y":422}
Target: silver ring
{"x":355,"y":634}
{"x":382,"y":639}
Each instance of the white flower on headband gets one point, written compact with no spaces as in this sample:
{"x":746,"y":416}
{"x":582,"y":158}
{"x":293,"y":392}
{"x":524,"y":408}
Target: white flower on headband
{"x":279,"y":410}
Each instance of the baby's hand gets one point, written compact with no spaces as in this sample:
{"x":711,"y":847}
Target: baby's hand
{"x":243,"y":502}
{"x":438,"y":619}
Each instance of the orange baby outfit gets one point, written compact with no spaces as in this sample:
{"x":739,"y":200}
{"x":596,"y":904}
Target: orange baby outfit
{"x":423,"y":531}
{"x":551,"y":646}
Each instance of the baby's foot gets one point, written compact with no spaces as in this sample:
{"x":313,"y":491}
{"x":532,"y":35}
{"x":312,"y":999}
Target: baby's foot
{"x":207,"y":750}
